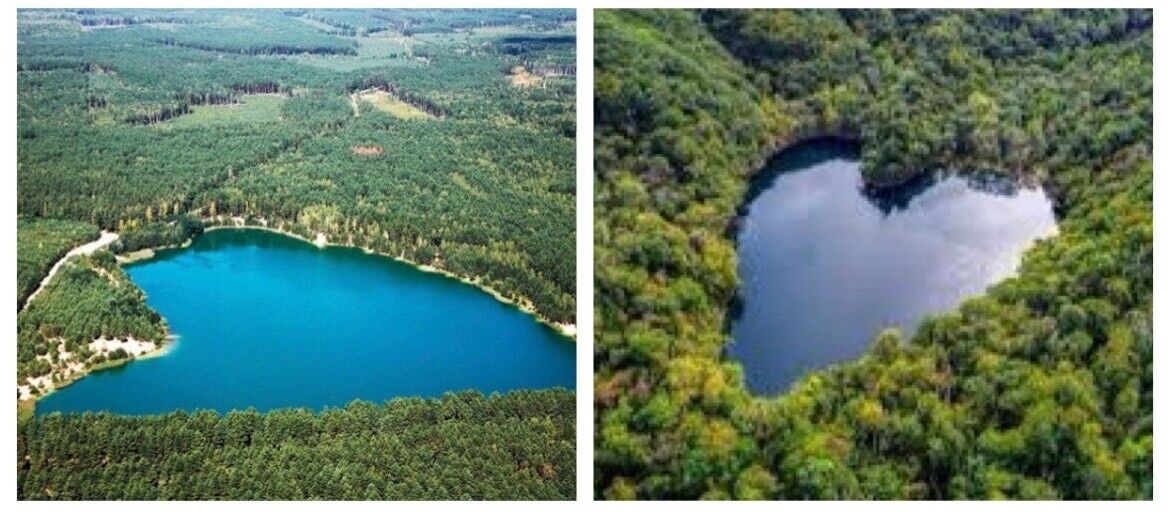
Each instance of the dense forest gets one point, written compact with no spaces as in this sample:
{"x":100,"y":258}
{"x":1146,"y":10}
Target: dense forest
{"x":464,"y":446}
{"x":1041,"y":388}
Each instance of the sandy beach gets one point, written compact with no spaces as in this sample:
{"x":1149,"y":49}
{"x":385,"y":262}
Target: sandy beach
{"x":67,"y":368}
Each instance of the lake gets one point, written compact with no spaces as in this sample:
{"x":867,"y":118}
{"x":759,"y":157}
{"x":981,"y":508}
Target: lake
{"x":824,"y":267}
{"x":268,"y":321}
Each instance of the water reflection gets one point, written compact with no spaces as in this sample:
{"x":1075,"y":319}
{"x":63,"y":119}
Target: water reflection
{"x":824,"y":264}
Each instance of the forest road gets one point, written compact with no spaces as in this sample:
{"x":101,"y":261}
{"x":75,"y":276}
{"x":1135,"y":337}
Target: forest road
{"x":105,"y":239}
{"x":353,"y":102}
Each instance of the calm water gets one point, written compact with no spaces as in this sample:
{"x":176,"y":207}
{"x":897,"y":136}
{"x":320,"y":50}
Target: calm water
{"x":825,"y":267}
{"x":267,"y":321}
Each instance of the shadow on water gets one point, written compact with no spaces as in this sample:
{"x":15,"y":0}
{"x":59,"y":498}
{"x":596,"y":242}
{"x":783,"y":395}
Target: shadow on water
{"x":888,"y":200}
{"x":796,"y":157}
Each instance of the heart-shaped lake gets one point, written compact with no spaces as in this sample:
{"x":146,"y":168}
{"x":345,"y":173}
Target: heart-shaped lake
{"x":824,"y":266}
{"x":268,"y":321}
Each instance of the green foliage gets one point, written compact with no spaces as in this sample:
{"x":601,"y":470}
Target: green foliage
{"x":516,"y":446}
{"x":878,"y":73}
{"x":261,"y":32}
{"x":39,"y":244}
{"x":1042,"y":388}
{"x":177,"y":230}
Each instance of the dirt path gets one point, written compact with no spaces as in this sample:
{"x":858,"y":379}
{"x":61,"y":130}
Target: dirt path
{"x":105,"y":239}
{"x":353,"y":102}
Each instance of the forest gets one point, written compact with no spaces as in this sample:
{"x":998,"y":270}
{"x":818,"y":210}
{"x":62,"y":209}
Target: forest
{"x":1042,"y":388}
{"x":463,"y":446}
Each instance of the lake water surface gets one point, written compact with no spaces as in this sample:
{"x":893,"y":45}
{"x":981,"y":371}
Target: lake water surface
{"x":269,"y":321}
{"x":824,"y":267}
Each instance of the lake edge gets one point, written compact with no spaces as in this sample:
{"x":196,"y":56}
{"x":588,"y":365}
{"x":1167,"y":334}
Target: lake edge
{"x":567,"y":330}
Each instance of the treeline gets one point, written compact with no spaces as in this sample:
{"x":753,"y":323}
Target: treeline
{"x":532,"y":46}
{"x":261,"y":49}
{"x":539,"y":68}
{"x":46,"y":65}
{"x":515,"y":446}
{"x":108,"y":21}
{"x":189,"y":100}
{"x":161,"y":115}
{"x":414,"y":100}
{"x":1042,"y":388}
{"x":258,"y":87}
{"x":422,"y":21}
{"x":121,"y":21}
{"x":269,"y":33}
{"x":348,"y":22}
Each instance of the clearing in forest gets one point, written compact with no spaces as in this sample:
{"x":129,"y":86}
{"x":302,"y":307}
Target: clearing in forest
{"x":387,"y":102}
{"x":521,"y":77}
{"x":380,"y":50}
{"x":260,"y":108}
{"x":366,"y":150}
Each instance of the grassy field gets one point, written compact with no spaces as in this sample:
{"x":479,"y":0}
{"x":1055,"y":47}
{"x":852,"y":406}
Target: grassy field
{"x":379,"y":51}
{"x":257,"y":109}
{"x":383,"y":101}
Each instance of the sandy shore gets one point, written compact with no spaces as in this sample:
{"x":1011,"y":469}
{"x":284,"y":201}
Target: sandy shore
{"x":131,"y":346}
{"x":134,"y":256}
{"x":67,"y":368}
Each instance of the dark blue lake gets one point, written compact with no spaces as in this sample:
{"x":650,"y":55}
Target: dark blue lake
{"x":268,"y":321}
{"x":824,"y":267}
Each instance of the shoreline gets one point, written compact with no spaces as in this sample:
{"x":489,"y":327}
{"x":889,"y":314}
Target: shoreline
{"x":148,"y":253}
{"x":566,"y":330}
{"x":29,"y":404}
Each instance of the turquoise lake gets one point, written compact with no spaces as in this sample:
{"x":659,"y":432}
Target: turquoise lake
{"x":267,"y":321}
